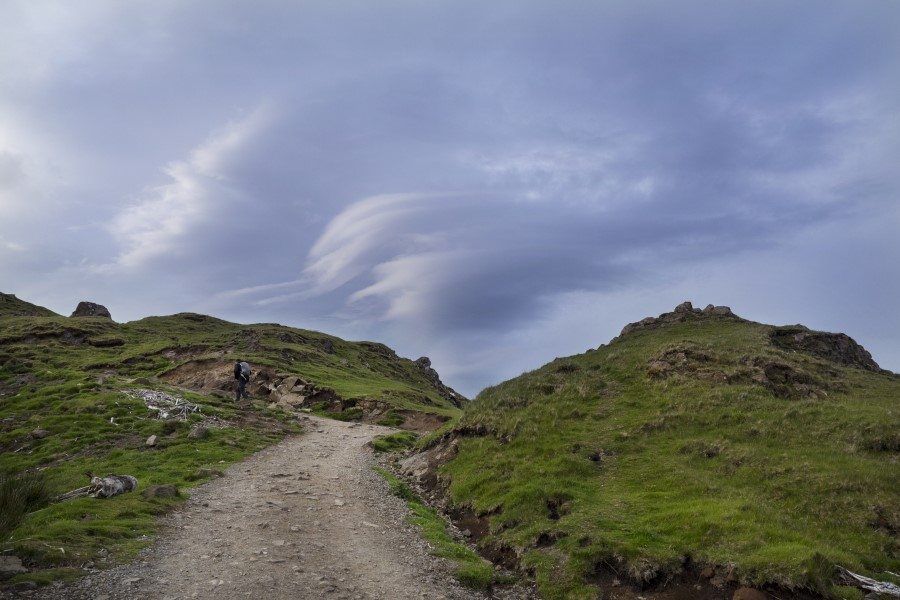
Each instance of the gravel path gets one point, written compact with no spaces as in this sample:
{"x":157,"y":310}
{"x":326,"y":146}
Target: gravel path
{"x":307,"y":518}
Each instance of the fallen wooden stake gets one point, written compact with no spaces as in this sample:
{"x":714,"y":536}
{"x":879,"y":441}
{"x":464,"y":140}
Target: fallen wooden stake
{"x":869,"y":584}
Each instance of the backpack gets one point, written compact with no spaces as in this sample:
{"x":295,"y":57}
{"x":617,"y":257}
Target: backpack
{"x":245,"y":371}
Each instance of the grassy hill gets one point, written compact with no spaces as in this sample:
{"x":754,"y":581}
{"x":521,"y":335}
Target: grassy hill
{"x":72,"y":400}
{"x":10,"y":306}
{"x":695,"y":452}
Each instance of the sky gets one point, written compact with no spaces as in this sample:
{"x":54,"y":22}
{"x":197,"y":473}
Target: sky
{"x":490,"y":184}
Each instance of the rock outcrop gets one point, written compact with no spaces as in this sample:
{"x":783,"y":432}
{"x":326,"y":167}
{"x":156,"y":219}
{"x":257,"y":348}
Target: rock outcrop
{"x":683,"y":312}
{"x":836,"y":347}
{"x":422,"y":468}
{"x":424,"y":364}
{"x":91,"y":309}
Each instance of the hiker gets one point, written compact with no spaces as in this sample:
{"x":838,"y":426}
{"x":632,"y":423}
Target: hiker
{"x":242,"y":376}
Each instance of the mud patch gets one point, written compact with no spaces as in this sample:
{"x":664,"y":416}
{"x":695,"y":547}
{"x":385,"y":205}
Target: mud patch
{"x":421,"y":422}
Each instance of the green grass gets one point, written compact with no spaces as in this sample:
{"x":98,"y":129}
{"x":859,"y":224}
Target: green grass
{"x":64,"y":376}
{"x":394,"y":441}
{"x":471,"y":570}
{"x":10,"y":306}
{"x":391,"y":419}
{"x":20,"y":494}
{"x":624,"y":470}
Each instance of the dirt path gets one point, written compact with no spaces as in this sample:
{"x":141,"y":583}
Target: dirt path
{"x":307,"y":518}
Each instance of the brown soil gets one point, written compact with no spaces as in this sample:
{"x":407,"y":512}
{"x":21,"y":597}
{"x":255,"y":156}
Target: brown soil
{"x":421,"y":422}
{"x":214,"y":375}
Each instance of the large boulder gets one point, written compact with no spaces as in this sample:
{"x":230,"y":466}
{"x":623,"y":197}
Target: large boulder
{"x":91,"y":309}
{"x":718,"y":310}
{"x":684,"y":307}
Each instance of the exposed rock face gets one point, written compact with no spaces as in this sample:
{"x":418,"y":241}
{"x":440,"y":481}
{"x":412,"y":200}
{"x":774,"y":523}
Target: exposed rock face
{"x":292,"y":392}
{"x":718,"y":310}
{"x":424,"y":364}
{"x":684,"y":307}
{"x":836,"y":347}
{"x":683,"y":312}
{"x":90,"y":309}
{"x":422,"y":468}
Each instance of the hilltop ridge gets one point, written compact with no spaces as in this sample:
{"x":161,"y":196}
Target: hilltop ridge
{"x":10,"y":306}
{"x":696,"y":455}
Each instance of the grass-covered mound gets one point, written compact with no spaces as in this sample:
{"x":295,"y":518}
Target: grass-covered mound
{"x":68,"y":406}
{"x":10,"y":306}
{"x":697,"y":443}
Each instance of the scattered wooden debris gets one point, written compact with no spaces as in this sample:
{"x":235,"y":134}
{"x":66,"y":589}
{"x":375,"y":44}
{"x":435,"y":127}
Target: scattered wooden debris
{"x":103,"y":487}
{"x":869,"y":584}
{"x":166,"y":406}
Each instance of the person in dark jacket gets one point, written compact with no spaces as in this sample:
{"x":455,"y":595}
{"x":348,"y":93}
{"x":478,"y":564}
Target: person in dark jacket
{"x":242,"y":377}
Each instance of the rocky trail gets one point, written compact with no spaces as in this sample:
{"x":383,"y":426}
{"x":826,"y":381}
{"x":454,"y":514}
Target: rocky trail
{"x":307,"y":518}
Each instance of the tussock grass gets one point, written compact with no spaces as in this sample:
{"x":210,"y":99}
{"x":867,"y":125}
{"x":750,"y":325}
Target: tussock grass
{"x":19,"y":495}
{"x":394,"y":441}
{"x":391,"y":419}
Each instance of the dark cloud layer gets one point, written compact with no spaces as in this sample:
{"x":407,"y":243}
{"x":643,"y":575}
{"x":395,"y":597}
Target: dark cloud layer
{"x":492,"y":184}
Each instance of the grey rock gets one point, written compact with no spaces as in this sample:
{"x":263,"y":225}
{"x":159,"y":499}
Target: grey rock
{"x":11,"y":565}
{"x":151,"y":441}
{"x":198,"y":432}
{"x":684,"y":307}
{"x":91,"y":309}
{"x":718,"y":310}
{"x":166,"y":490}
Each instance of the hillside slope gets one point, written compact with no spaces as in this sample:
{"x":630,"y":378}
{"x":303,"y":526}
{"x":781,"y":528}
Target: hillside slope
{"x":10,"y":306}
{"x":76,"y":396}
{"x":695,"y":452}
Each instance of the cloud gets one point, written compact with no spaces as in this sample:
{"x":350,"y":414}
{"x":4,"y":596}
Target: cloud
{"x":156,"y":224}
{"x":462,"y":263}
